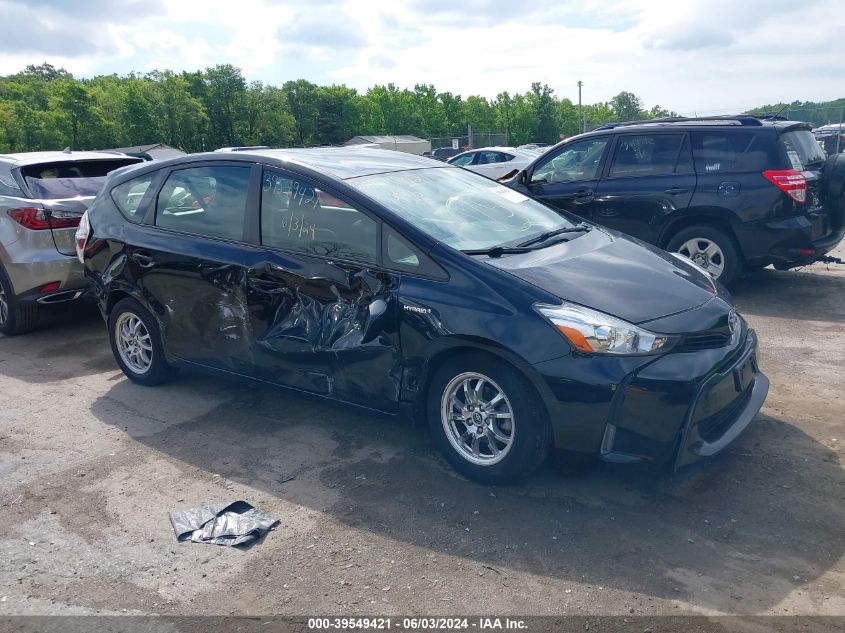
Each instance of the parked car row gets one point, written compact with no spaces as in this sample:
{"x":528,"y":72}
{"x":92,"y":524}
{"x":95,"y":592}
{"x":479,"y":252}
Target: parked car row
{"x":419,"y":289}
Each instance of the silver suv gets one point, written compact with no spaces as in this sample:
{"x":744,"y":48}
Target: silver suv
{"x":42,"y":198}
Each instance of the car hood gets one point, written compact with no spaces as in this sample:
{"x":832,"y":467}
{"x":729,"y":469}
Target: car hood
{"x":615,"y":274}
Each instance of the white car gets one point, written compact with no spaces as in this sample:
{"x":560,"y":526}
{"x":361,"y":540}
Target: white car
{"x":495,"y":162}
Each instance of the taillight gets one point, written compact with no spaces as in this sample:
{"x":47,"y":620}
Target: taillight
{"x":39,"y":219}
{"x":791,"y":181}
{"x":82,"y":235}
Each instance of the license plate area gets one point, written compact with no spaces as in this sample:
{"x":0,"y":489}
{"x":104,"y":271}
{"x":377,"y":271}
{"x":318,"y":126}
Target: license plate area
{"x":722,"y":394}
{"x":744,"y":374}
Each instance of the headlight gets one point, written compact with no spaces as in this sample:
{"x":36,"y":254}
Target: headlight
{"x":595,"y":332}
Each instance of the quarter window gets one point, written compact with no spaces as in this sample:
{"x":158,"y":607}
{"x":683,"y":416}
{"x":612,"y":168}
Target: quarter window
{"x":646,"y":155}
{"x":719,"y":151}
{"x":128,"y":196}
{"x":205,"y":200}
{"x":297,"y":216}
{"x":579,"y":161}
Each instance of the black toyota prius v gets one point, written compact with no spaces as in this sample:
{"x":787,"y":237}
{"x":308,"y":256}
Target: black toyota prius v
{"x":415,"y":288}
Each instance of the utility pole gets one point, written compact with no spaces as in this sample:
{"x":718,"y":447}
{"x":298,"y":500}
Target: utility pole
{"x":580,"y":113}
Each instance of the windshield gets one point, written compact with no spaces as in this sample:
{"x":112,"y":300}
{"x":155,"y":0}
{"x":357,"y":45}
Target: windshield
{"x":71,"y":179}
{"x":461,"y":209}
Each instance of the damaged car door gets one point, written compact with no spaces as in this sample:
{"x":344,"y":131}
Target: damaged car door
{"x":323,"y":312}
{"x":190,"y":264}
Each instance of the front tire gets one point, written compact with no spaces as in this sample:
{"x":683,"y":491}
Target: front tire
{"x":16,"y":317}
{"x":710,"y":248}
{"x":486,"y":419}
{"x":136,"y":344}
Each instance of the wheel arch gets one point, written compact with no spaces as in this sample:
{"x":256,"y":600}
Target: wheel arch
{"x":485,"y":347}
{"x":714,"y":218}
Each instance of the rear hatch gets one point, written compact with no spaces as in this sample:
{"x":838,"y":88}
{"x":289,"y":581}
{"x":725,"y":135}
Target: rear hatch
{"x":61,"y":191}
{"x":805,"y":155}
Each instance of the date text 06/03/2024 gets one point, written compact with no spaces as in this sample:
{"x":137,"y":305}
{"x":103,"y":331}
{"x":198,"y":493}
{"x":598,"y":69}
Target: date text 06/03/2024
{"x":416,"y":624}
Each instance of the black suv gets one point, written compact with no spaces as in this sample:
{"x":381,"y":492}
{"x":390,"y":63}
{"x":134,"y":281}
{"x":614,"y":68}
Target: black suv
{"x":727,"y":192}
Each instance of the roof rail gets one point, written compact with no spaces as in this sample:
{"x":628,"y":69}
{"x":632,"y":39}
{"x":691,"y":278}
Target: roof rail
{"x":741,"y":119}
{"x":243,"y":148}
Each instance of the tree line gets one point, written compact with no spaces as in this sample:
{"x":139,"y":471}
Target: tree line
{"x":43,"y":107}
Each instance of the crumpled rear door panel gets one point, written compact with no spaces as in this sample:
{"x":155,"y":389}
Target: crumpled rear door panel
{"x":314,"y":328}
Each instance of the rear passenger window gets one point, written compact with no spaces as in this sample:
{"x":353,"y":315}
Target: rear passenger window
{"x":128,"y":196}
{"x":297,"y":216}
{"x":205,"y":200}
{"x":489,"y":158}
{"x":646,"y":155}
{"x":723,"y":151}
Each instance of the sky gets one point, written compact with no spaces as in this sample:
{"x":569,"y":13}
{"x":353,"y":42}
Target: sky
{"x":691,"y":56}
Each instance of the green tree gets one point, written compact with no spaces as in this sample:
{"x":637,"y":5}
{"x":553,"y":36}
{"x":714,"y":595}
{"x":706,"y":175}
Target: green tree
{"x":74,"y":104}
{"x":542,"y":102}
{"x":568,"y":120}
{"x":225,"y":88}
{"x":626,"y":106}
{"x":303,"y":104}
{"x":339,"y":116}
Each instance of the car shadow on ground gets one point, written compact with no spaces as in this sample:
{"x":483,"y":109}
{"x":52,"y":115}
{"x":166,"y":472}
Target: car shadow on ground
{"x":791,"y":294}
{"x":71,"y":339}
{"x":764,"y":509}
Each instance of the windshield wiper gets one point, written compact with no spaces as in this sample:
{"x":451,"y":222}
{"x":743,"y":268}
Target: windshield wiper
{"x":578,"y":228}
{"x":498,"y":251}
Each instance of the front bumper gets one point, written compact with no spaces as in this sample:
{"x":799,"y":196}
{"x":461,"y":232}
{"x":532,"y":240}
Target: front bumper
{"x":680,"y":407}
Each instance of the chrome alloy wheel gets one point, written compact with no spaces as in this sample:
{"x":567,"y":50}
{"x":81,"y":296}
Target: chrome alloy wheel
{"x":4,"y":306}
{"x":133,"y":342}
{"x":706,"y":253}
{"x":477,"y":418}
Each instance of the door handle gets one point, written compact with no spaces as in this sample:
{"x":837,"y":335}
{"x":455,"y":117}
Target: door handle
{"x":584,"y":193}
{"x":675,"y":191}
{"x":143,"y":259}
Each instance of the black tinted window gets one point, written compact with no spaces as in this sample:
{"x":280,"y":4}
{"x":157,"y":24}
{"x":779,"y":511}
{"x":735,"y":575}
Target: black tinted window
{"x":684,"y":164}
{"x":297,"y":216}
{"x":646,"y":154}
{"x":740,"y":150}
{"x":205,"y":200}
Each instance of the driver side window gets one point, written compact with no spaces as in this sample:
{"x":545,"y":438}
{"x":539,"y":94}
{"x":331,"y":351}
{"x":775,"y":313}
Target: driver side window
{"x":579,"y":161}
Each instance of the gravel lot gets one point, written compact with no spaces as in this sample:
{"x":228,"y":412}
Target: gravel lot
{"x":373,"y":521}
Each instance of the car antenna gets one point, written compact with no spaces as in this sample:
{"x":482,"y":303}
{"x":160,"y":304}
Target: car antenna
{"x":777,"y":114}
{"x":66,"y":150}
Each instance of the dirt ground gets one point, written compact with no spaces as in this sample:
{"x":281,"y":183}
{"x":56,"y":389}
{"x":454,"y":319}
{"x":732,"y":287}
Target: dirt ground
{"x":373,"y":521}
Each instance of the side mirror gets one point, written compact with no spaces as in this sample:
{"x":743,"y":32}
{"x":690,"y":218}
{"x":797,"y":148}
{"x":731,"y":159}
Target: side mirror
{"x":376,"y":313}
{"x":523,"y":178}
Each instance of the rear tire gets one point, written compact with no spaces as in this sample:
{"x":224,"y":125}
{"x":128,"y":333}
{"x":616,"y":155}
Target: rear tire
{"x":136,"y":344}
{"x":710,"y":248}
{"x":492,"y":433}
{"x":16,"y":317}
